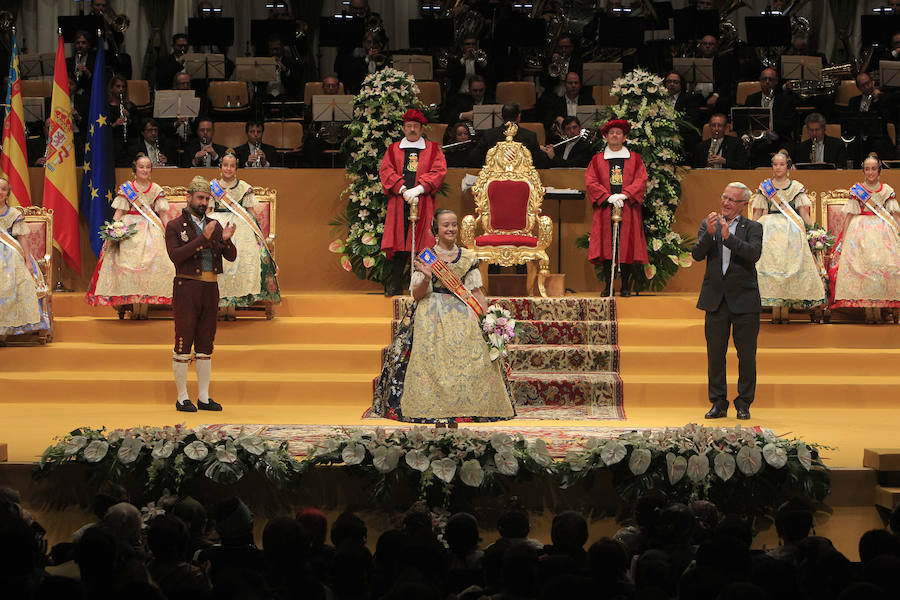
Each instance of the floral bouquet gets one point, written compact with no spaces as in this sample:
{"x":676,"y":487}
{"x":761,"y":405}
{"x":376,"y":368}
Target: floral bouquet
{"x":499,"y":329}
{"x":116,"y":231}
{"x":820,"y":240}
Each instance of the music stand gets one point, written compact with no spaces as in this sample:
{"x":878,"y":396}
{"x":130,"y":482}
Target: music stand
{"x":417,"y":65}
{"x":262,"y":29}
{"x":34,"y":109}
{"x":36,"y":66}
{"x":600,"y":73}
{"x":342,"y":32}
{"x":620,"y":32}
{"x":171,"y":104}
{"x":587,"y":113}
{"x":692,"y":24}
{"x":521,"y":32}
{"x":861,"y":125}
{"x":487,"y":116}
{"x":204,"y":66}
{"x":332,"y":108}
{"x":769,"y":30}
{"x":431,"y":33}
{"x":804,"y":68}
{"x":746,"y":119}
{"x":878,"y":29}
{"x":890,"y":73}
{"x":255,"y":68}
{"x":891,"y":164}
{"x":694,"y":70}
{"x":217,"y":31}
{"x":88,"y":23}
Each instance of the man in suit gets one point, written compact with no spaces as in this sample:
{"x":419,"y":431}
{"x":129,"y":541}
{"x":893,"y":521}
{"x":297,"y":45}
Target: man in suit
{"x":461,"y":106}
{"x":716,"y":96}
{"x":196,"y":244}
{"x":161,"y":152}
{"x":80,"y":65}
{"x":460,"y":72}
{"x":688,"y":105}
{"x":576,"y":153}
{"x":731,"y":245}
{"x":565,"y":53}
{"x":556,"y":108}
{"x":821,"y":148}
{"x":872,"y":101}
{"x":254,"y":153}
{"x":720,"y":151}
{"x":200,"y":151}
{"x":510,"y":113}
{"x":171,"y":64}
{"x":784,"y":114}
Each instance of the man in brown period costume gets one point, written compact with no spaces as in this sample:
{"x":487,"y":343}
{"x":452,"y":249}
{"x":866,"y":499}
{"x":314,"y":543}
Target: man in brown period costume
{"x":196,"y":244}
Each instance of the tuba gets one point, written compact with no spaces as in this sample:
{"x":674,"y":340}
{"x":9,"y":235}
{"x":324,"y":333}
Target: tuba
{"x":728,"y":33}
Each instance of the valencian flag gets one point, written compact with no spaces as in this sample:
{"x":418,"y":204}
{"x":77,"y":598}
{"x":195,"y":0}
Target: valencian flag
{"x":14,"y":162}
{"x":60,"y":184}
{"x":98,"y":183}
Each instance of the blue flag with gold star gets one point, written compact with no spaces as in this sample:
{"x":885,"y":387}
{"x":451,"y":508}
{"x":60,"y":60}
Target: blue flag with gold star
{"x":99,"y":181}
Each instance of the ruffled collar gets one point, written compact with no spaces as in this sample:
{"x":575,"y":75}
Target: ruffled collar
{"x":621,"y":153}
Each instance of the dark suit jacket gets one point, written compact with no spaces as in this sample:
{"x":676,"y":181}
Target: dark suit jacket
{"x":166,"y":69}
{"x":456,"y":72}
{"x":738,"y":286}
{"x":166,"y":147}
{"x":84,"y":83}
{"x":732,"y":149}
{"x":784,"y":112}
{"x":186,"y":254}
{"x":580,"y":156}
{"x":193,"y":147}
{"x":242,"y":153}
{"x":835,"y":152}
{"x":555,"y":106}
{"x":528,"y":138}
{"x":880,"y":107}
{"x":461,"y":103}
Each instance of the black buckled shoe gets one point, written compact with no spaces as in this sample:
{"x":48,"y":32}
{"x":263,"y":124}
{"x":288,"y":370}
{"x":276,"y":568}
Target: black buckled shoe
{"x":210,"y":405}
{"x":743,"y":414}
{"x":186,"y":406}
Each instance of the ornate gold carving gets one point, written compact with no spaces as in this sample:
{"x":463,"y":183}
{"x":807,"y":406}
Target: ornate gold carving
{"x":510,"y":161}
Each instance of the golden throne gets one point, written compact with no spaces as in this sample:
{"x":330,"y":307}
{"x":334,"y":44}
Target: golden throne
{"x":508,"y":198}
{"x":40,"y":243}
{"x":265,"y":216}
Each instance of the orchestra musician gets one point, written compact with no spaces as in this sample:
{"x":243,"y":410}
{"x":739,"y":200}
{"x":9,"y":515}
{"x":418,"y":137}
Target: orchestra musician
{"x":720,"y":151}
{"x":821,"y":148}
{"x":254,"y":152}
{"x":556,"y":108}
{"x":172,"y":64}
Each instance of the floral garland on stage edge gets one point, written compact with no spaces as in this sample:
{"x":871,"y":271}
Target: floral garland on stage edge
{"x":746,"y":471}
{"x":377,"y":120}
{"x":643,"y":102}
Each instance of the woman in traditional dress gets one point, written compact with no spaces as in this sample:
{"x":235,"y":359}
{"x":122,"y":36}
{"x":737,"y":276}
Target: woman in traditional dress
{"x":787,"y":270}
{"x":252,"y":277}
{"x":136,"y":270}
{"x":438,"y":369}
{"x":865,"y":266}
{"x":20,"y":277}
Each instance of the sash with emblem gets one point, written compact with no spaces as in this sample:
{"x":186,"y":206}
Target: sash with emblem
{"x":865,"y":197}
{"x":450,"y":281}
{"x":8,"y":240}
{"x":786,"y":209}
{"x":240,"y":212}
{"x":140,"y":206}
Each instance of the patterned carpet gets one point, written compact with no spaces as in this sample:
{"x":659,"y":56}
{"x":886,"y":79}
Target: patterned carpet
{"x":565,"y":364}
{"x":301,"y":438}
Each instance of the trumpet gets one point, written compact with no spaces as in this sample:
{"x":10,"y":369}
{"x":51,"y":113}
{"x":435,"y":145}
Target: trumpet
{"x":480,"y":57}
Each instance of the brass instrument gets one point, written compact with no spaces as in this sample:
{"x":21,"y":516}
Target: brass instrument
{"x":7,"y":20}
{"x":728,"y":33}
{"x":480,"y":57}
{"x":381,"y":60}
{"x":120,"y":23}
{"x":558,"y":67}
{"x":829,"y":84}
{"x":258,"y":162}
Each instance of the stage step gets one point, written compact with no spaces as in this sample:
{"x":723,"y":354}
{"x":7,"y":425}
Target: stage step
{"x":562,"y":358}
{"x":882,"y":459}
{"x":570,"y":308}
{"x":887,"y":497}
{"x":598,"y":394}
{"x":141,"y":386}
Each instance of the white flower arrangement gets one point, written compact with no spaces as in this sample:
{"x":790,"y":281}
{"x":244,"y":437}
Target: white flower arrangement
{"x":499,"y":328}
{"x":643,"y":101}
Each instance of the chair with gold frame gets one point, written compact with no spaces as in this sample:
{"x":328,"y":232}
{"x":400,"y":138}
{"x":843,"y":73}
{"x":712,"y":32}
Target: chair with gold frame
{"x":508,"y":198}
{"x":264,"y":214}
{"x":40,"y":242}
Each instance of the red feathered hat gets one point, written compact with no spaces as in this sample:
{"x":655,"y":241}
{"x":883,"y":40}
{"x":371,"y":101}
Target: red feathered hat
{"x":414,"y":115}
{"x":622,"y":124}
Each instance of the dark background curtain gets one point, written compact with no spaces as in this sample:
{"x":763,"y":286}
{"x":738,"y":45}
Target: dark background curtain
{"x":843,"y":11}
{"x":309,"y":12}
{"x":158,"y":12}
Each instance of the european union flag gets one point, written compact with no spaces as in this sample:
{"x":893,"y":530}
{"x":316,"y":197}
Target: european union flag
{"x":99,"y":181}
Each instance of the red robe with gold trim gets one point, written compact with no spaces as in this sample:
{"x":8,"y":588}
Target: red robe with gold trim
{"x":430,"y":175}
{"x":632,"y":243}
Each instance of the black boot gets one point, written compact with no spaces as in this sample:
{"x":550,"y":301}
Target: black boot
{"x":626,"y":281}
{"x":395,"y":285}
{"x":605,"y":267}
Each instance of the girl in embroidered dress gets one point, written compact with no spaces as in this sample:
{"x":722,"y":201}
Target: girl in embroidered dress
{"x":20,"y":277}
{"x":438,"y":369}
{"x":865,"y":266}
{"x":788,"y":274}
{"x":252,"y":277}
{"x":137,"y":270}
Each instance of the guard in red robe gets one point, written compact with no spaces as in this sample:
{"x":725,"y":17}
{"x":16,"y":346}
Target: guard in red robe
{"x":617,"y":177}
{"x":412,"y":171}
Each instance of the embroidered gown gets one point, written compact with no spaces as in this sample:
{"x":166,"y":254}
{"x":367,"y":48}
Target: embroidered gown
{"x":787,"y":270}
{"x":438,"y":368}
{"x":20,"y":308}
{"x":251,"y":277}
{"x":136,"y":270}
{"x":867,"y":270}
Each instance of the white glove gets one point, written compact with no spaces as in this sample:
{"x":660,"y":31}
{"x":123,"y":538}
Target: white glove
{"x":408,"y":195}
{"x":617,"y":199}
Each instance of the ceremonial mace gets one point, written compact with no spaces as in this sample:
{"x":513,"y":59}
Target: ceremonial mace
{"x":413,"y":219}
{"x":616,"y":223}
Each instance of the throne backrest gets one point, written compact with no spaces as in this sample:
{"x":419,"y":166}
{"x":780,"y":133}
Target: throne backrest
{"x":40,"y":236}
{"x":833,"y":216}
{"x":508,"y":192}
{"x":264,"y":212}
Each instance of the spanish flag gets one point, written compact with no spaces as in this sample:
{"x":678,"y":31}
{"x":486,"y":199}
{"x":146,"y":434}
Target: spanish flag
{"x":14,"y":162}
{"x":60,"y":184}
